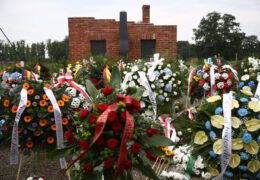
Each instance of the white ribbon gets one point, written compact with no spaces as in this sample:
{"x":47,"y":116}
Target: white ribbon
{"x":189,"y":80}
{"x":154,"y":63}
{"x":15,"y":137}
{"x":58,"y":123}
{"x":257,"y":92}
{"x":123,"y":85}
{"x":226,"y":135}
{"x":233,"y":70}
{"x":212,"y":79}
{"x":182,"y":65}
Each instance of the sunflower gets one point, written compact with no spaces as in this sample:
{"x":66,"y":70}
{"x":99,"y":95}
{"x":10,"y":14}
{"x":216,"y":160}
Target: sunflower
{"x":53,"y":127}
{"x":65,"y":121}
{"x":14,"y":109}
{"x":42,"y":122}
{"x":27,"y":119}
{"x":28,"y":103}
{"x":50,"y":108}
{"x":66,"y":98}
{"x":26,"y":86}
{"x":6,"y":103}
{"x":29,"y":144}
{"x":47,"y":86}
{"x":30,"y":92}
{"x":50,"y":140}
{"x":61,"y":103}
{"x":45,"y":97}
{"x":37,"y":133}
{"x":43,"y":103}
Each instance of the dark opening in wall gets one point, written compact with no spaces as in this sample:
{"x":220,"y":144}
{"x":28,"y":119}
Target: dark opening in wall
{"x":147,"y":48}
{"x":98,"y":47}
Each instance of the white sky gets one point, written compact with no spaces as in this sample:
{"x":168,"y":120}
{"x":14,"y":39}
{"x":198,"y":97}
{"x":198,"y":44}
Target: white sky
{"x":39,"y":20}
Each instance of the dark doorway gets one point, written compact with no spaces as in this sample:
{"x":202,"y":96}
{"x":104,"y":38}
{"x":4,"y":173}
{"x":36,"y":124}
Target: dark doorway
{"x":147,"y":48}
{"x":98,"y":47}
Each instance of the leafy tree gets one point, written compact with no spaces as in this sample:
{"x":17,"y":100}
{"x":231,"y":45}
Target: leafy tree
{"x":186,"y":50}
{"x":218,"y":34}
{"x":249,"y":45}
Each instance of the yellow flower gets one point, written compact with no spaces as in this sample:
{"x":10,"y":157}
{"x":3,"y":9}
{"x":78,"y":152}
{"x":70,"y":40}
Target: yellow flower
{"x":253,"y":166}
{"x":213,"y":172}
{"x":253,"y":74}
{"x":217,"y":147}
{"x":236,"y":122}
{"x":237,"y":144}
{"x":253,"y":125}
{"x":217,"y":121}
{"x":77,"y":62}
{"x":214,"y":98}
{"x":207,"y":64}
{"x":234,"y":161}
{"x":200,"y":138}
{"x":249,"y":93}
{"x":235,"y":104}
{"x":168,"y":152}
{"x":252,"y":147}
{"x":69,"y":65}
{"x":197,"y":78}
{"x":254,"y":105}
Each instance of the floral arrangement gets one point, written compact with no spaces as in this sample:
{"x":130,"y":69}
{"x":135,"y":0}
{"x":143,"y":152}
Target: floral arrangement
{"x":206,"y":135}
{"x":35,"y":178}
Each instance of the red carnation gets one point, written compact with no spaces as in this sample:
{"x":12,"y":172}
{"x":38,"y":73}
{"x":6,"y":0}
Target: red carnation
{"x":109,"y":163}
{"x":221,"y":79}
{"x":230,"y":74}
{"x":225,"y":84}
{"x":215,"y":87}
{"x":102,"y":107}
{"x":220,"y":70}
{"x":112,"y":143}
{"x":209,"y":79}
{"x":69,"y":136}
{"x":107,"y":91}
{"x":100,"y":141}
{"x":83,"y":144}
{"x":76,"y":109}
{"x":93,"y":80}
{"x":123,"y":116}
{"x":224,"y":90}
{"x":202,"y":82}
{"x":136,"y":104}
{"x":87,"y":168}
{"x":136,"y":148}
{"x":208,"y":94}
{"x":84,"y":114}
{"x":230,"y":88}
{"x":92,"y":119}
{"x":150,"y":131}
{"x":117,"y":126}
{"x":128,"y":164}
{"x":112,"y":116}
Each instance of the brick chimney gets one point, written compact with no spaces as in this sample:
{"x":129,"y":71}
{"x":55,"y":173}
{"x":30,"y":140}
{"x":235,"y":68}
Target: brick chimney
{"x":146,"y":13}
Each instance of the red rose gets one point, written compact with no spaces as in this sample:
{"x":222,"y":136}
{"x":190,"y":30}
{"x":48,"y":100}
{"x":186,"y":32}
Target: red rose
{"x":136,"y":148}
{"x":87,"y":168}
{"x":117,"y":126}
{"x":84,"y":114}
{"x":230,"y":88}
{"x":128,"y":164}
{"x":202,"y":82}
{"x":224,"y":90}
{"x":93,"y":80}
{"x":92,"y":119}
{"x":109,"y":163}
{"x":100,"y":141}
{"x":123,"y":116}
{"x":209,"y":79}
{"x":112,"y":143}
{"x":149,"y":155}
{"x":112,"y":116}
{"x":225,"y":84}
{"x":83,"y":144}
{"x":158,"y":133}
{"x":208,"y":94}
{"x":69,"y":136}
{"x":221,"y":79}
{"x":220,"y":70}
{"x":136,"y":104}
{"x":235,"y":82}
{"x":107,"y":91}
{"x":76,"y":109}
{"x":150,"y":131}
{"x":102,"y":107}
{"x":230,"y":74}
{"x":215,"y":87}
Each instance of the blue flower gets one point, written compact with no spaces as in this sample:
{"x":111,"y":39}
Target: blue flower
{"x":5,"y":76}
{"x":2,"y":122}
{"x":168,"y":87}
{"x":156,"y":73}
{"x":251,"y":83}
{"x":242,"y":112}
{"x":167,"y":71}
{"x":242,"y":168}
{"x":218,"y":110}
{"x":228,"y":174}
{"x":4,"y":85}
{"x":212,"y":154}
{"x":243,"y":100}
{"x":212,"y":135}
{"x":241,"y":84}
{"x":15,"y":76}
{"x":247,"y":138}
{"x":199,"y":72}
{"x":245,"y":175}
{"x":161,"y":97}
{"x":233,"y":97}
{"x":244,"y":156}
{"x":208,"y":125}
{"x":157,"y":83}
{"x":258,"y":139}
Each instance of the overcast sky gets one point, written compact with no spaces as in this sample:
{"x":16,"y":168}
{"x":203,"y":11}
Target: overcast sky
{"x":39,"y":20}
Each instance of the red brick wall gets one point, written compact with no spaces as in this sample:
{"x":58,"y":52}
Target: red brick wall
{"x":82,"y":30}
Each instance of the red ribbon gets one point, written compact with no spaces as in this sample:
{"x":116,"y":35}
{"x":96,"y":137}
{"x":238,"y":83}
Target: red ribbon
{"x":127,"y":134}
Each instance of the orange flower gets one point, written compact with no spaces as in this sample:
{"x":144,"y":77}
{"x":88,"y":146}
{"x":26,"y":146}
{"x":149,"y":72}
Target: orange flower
{"x":27,"y":119}
{"x":43,"y":103}
{"x":65,"y":121}
{"x":1,"y":73}
{"x":19,"y":65}
{"x":42,"y":122}
{"x":50,"y":140}
{"x":47,"y":86}
{"x":9,"y":87}
{"x":26,"y":86}
{"x":10,"y":81}
{"x":29,"y":144}
{"x":61,"y":103}
{"x":28,"y":103}
{"x":5,"y":127}
{"x":66,"y":98}
{"x":45,"y":97}
{"x":38,"y":133}
{"x":50,"y":108}
{"x":14,"y":109}
{"x":9,"y":67}
{"x":19,"y":130}
{"x":30,"y":92}
{"x":6,"y":103}
{"x":5,"y":81}
{"x":53,"y":127}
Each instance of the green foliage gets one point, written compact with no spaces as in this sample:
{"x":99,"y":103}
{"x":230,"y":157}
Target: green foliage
{"x":146,"y":169}
{"x":92,"y":91}
{"x":115,"y":78}
{"x":186,"y":50}
{"x":157,"y":140}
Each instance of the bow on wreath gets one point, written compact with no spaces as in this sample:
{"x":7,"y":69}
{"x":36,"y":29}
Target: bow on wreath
{"x":131,"y":105}
{"x":69,"y":79}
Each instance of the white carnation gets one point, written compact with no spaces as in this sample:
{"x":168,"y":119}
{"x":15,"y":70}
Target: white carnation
{"x":217,"y":76}
{"x":165,"y":94}
{"x":148,"y":113}
{"x":174,"y":85}
{"x":225,"y":75}
{"x":160,"y":80}
{"x":175,"y":93}
{"x":229,"y":82}
{"x":132,"y":84}
{"x":135,"y":76}
{"x":13,"y":85}
{"x":166,"y":77}
{"x":168,"y":65}
{"x":206,"y":86}
{"x":130,"y":78}
{"x":161,"y":63}
{"x":179,"y":82}
{"x":151,"y":78}
{"x":167,"y":99}
{"x":75,"y":102}
{"x":162,"y":84}
{"x":246,"y":88}
{"x":173,"y":79}
{"x":142,"y":104}
{"x":170,"y":82}
{"x":245,"y":70}
{"x":144,"y":69}
{"x":220,"y":85}
{"x":134,"y":68}
{"x":245,"y":77}
{"x":159,"y":67}
{"x":174,"y":74}
{"x":145,"y":94}
{"x":153,"y":86}
{"x":161,"y":71}
{"x":124,"y":72}
{"x":205,"y":75}
{"x":161,"y":91}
